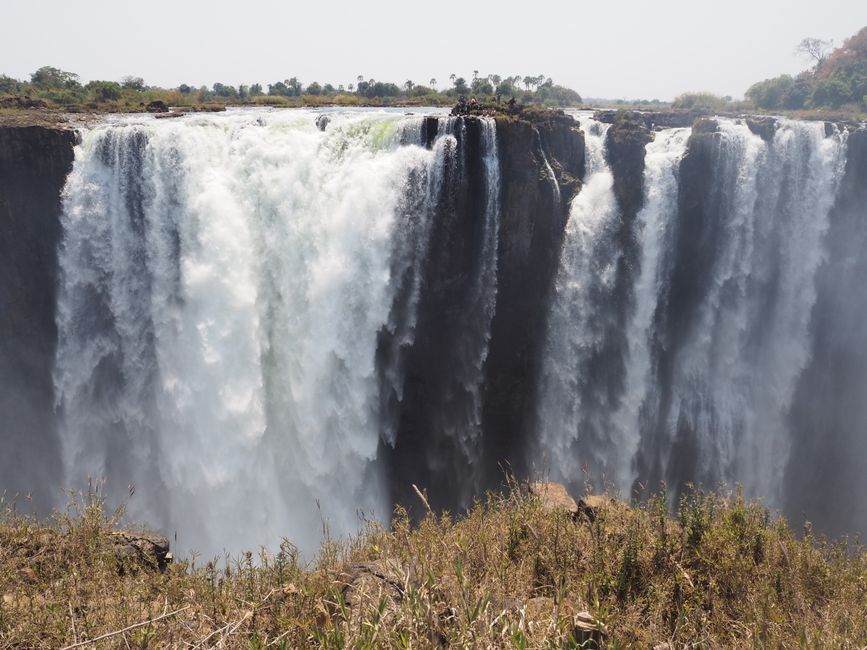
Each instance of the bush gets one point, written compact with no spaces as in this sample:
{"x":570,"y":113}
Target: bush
{"x":832,"y":92}
{"x":103,"y":91}
{"x":700,"y":101}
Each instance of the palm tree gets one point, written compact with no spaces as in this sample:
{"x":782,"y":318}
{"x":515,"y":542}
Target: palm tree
{"x":433,"y":83}
{"x":453,"y":76}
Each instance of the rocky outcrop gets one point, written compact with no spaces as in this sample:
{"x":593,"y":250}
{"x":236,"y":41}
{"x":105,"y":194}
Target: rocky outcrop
{"x":157,"y":106}
{"x":34,"y":162}
{"x":624,"y":148}
{"x":140,"y":549}
{"x":655,"y":120}
{"x":553,"y":497}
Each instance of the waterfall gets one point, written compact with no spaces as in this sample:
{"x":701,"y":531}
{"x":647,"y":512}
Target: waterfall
{"x":587,"y":267}
{"x":743,"y":328}
{"x":266,"y":330}
{"x":224,"y":284}
{"x":719,"y":322}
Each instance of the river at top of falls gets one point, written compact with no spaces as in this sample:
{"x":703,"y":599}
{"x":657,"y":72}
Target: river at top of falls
{"x":224,"y":279}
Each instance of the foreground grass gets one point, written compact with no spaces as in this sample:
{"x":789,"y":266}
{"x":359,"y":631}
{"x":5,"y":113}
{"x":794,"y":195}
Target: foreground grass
{"x":508,"y":574}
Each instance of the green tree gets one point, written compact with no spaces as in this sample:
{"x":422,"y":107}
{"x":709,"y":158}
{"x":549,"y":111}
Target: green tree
{"x":8,"y":85}
{"x":770,"y":93}
{"x":103,"y":91}
{"x":832,"y":92}
{"x":133,"y":83}
{"x":47,"y":77}
{"x":222,"y":90}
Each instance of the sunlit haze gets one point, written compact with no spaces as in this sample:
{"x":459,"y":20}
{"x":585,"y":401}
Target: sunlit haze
{"x":614,"y":50}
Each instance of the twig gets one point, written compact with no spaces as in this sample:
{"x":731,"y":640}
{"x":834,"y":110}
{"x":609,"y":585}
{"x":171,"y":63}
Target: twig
{"x":685,"y":574}
{"x":423,"y":499}
{"x":72,"y":619}
{"x":126,"y":629}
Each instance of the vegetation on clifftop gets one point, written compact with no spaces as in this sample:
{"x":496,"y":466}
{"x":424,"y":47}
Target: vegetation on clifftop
{"x":51,"y":87}
{"x":508,"y":574}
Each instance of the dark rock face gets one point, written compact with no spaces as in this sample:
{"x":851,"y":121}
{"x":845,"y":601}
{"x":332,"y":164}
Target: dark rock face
{"x":826,"y":476}
{"x":533,"y":214}
{"x":34,"y":162}
{"x":531,"y":236}
{"x":624,"y":147}
{"x":764,"y":127}
{"x":427,"y":447}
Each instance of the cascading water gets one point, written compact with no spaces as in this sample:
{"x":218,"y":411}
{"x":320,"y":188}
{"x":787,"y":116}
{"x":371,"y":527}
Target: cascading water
{"x":742,"y":336}
{"x":719,"y":326}
{"x":587,"y":265}
{"x":262,"y":325}
{"x":224,"y":283}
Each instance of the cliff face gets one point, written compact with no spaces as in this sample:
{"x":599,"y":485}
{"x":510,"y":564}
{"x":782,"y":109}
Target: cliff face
{"x":34,"y":162}
{"x":533,"y":218}
{"x":540,"y":167}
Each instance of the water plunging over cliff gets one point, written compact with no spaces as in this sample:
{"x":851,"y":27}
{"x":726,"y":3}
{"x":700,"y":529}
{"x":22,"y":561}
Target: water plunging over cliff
{"x":224,"y":283}
{"x":261,"y":325}
{"x":718,"y":332}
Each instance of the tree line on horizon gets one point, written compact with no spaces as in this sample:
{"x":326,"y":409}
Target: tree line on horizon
{"x":837,"y":80}
{"x":62,"y":88}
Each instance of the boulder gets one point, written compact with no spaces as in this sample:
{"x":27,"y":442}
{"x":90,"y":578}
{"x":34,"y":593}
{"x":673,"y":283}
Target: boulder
{"x":157,"y":106}
{"x":140,"y":549}
{"x":553,"y":497}
{"x":763,"y":126}
{"x":322,"y":122}
{"x":590,"y":505}
{"x":588,"y":632}
{"x":366,"y":584}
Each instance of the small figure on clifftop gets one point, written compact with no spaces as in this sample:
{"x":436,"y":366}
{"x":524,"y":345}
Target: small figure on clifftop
{"x":461,"y":108}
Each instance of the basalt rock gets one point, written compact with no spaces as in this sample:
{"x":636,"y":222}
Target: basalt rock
{"x":157,"y":106}
{"x":625,"y":143}
{"x":654,"y":120}
{"x":34,"y":162}
{"x":764,"y":127}
{"x":140,"y":549}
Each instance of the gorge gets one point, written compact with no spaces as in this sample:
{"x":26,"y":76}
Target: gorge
{"x":257,"y":326}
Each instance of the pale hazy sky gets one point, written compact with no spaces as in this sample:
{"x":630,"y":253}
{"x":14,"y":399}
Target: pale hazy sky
{"x":626,"y":48}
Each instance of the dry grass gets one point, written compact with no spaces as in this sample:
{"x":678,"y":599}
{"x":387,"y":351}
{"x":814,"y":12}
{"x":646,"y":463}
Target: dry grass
{"x":508,"y":574}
